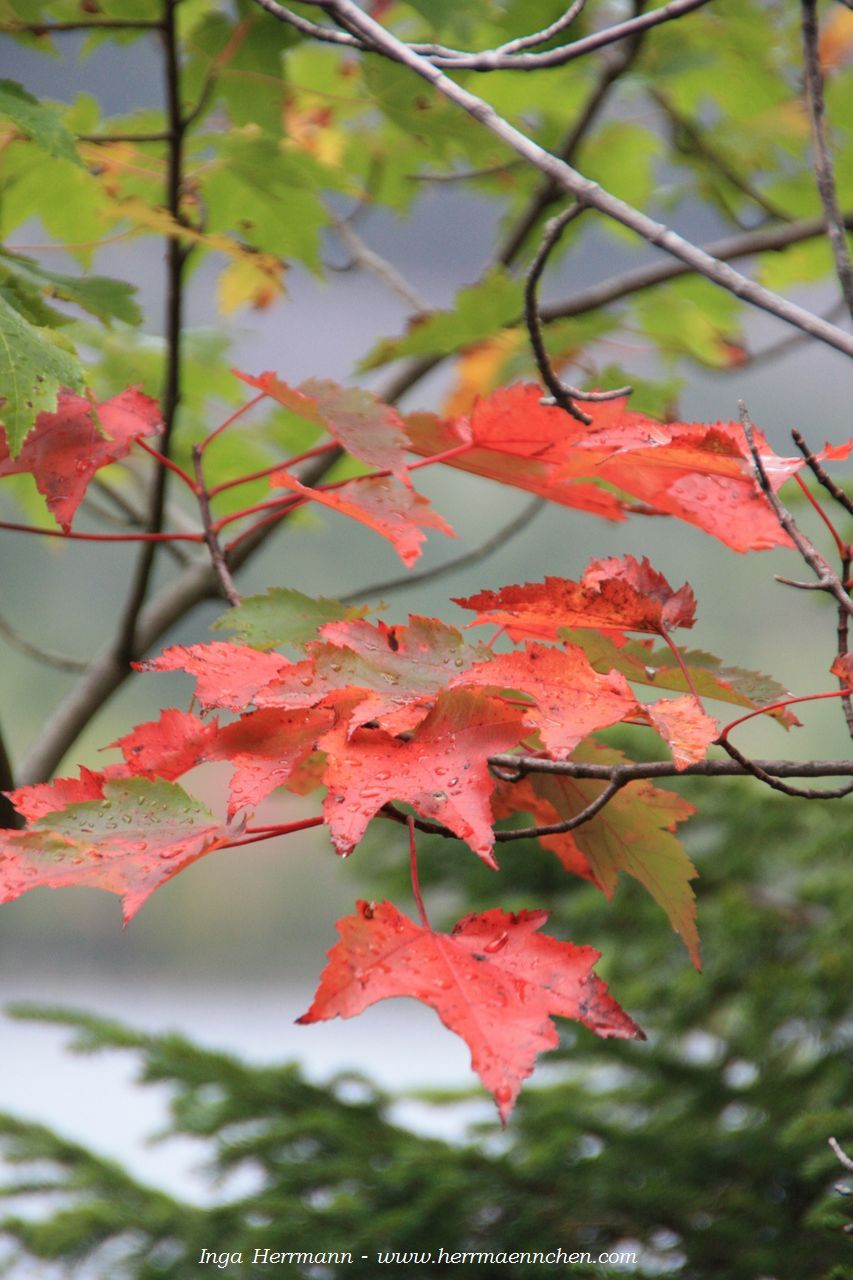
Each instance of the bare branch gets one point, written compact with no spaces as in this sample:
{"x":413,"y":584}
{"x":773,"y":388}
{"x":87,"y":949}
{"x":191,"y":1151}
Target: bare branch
{"x":521,"y":765}
{"x":364,"y":256}
{"x":688,"y":138}
{"x":508,"y":57}
{"x":613,"y":67}
{"x":616,"y":776}
{"x":217,"y":555}
{"x":764,"y":240}
{"x":349,"y":15}
{"x":562,"y":394}
{"x":126,"y":644}
{"x":23,"y":645}
{"x":746,"y":245}
{"x":547,"y":33}
{"x":827,"y":579}
{"x":822,"y":156}
{"x":495,"y":60}
{"x":843,"y":627}
{"x":820,"y":474}
{"x":106,"y":673}
{"x":799,"y":793}
{"x":841,"y":1154}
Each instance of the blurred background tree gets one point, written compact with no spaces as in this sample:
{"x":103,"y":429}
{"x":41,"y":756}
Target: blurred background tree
{"x":256,"y":161}
{"x":703,"y":1151}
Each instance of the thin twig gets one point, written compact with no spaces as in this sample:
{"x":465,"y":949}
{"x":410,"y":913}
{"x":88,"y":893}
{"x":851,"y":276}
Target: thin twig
{"x":843,"y":647}
{"x":688,"y":138}
{"x":23,"y":645}
{"x":364,"y":256}
{"x":746,"y":245}
{"x":485,"y":549}
{"x":822,"y":155}
{"x":177,"y":253}
{"x":197,"y":583}
{"x":841,"y":1154}
{"x":349,"y":15}
{"x":562,"y":394}
{"x":217,"y":556}
{"x":547,"y":33}
{"x":518,"y":833}
{"x":356,"y":36}
{"x":613,"y":67}
{"x":821,"y":475}
{"x":58,"y":28}
{"x":826,"y":577}
{"x":799,"y":793}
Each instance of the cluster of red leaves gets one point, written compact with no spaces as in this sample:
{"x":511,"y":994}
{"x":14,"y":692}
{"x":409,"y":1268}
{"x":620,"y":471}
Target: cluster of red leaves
{"x":382,"y":715}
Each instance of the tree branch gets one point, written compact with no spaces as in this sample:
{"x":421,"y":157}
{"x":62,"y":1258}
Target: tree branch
{"x":827,"y":579}
{"x":350,"y":16}
{"x":518,"y":766}
{"x":126,"y":644}
{"x":688,"y":138}
{"x":612,"y":69}
{"x":822,"y":155}
{"x":197,"y":583}
{"x":562,"y":394}
{"x":23,"y":645}
{"x":217,"y":556}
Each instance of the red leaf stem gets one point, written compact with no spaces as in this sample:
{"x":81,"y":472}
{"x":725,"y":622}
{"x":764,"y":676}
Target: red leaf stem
{"x":777,"y":706}
{"x":250,"y":404}
{"x":836,"y":537}
{"x":100,"y":537}
{"x":172,"y":466}
{"x":413,"y":867}
{"x":276,"y":466}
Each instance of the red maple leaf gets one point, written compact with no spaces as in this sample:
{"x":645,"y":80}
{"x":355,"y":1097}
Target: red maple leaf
{"x":441,"y":770}
{"x":400,"y":670}
{"x":391,"y":509}
{"x":129,"y":841}
{"x":613,"y":594}
{"x":65,"y":449}
{"x":633,"y":833}
{"x":571,"y":699}
{"x":683,"y":724}
{"x":516,"y":440}
{"x":41,"y":798}
{"x":358,"y":420}
{"x":495,"y":981}
{"x":227,"y":675}
{"x":265,"y":747}
{"x":698,"y":472}
{"x":168,"y":747}
{"x":843,"y":668}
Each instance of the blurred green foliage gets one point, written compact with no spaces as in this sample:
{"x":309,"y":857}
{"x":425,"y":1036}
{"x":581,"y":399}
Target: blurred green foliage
{"x":704,"y":1150}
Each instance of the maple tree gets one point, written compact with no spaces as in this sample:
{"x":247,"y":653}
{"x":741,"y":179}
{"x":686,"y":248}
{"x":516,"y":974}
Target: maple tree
{"x":314,"y":695}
